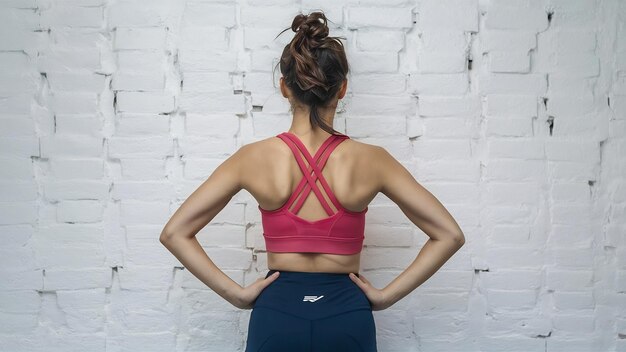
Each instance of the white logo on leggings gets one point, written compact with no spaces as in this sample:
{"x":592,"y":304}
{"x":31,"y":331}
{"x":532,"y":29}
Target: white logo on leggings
{"x":312,"y":298}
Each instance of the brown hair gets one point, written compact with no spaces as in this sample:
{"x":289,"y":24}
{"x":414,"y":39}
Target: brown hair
{"x":313,"y":64}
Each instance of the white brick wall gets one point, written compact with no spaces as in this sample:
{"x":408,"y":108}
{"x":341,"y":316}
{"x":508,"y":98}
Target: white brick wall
{"x":513,"y":113}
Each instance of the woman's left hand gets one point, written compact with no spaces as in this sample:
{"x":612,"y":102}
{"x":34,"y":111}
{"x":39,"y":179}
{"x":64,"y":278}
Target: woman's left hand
{"x":375,"y":296}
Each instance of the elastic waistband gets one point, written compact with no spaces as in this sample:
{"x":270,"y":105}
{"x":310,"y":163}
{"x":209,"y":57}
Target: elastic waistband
{"x":287,"y":273}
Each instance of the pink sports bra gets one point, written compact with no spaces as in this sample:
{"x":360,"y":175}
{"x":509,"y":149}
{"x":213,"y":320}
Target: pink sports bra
{"x":341,"y":232}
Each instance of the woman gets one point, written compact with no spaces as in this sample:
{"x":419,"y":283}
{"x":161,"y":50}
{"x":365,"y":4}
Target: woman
{"x":313,"y":185}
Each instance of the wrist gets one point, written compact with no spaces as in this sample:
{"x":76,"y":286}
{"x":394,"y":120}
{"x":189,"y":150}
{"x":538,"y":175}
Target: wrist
{"x":389,"y":297}
{"x":232,"y":293}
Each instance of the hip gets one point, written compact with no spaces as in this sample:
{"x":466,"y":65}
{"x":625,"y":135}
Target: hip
{"x":312,"y":295}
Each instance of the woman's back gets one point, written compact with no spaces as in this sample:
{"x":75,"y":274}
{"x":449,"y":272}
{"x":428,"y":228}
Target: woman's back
{"x":273,"y":176}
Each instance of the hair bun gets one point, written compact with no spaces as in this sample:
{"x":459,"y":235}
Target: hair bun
{"x":313,"y":25}
{"x":314,"y":66}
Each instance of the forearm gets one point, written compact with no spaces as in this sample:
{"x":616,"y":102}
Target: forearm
{"x":430,"y":258}
{"x":190,"y":253}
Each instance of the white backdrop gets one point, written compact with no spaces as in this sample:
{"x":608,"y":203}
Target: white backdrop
{"x":513,"y":113}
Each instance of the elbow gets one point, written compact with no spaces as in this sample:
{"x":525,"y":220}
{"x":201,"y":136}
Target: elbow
{"x":460,"y":239}
{"x":169,"y":236}
{"x":165,"y":237}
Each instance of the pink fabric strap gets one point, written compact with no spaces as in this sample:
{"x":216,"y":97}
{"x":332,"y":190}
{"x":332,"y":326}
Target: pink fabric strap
{"x":325,"y":149}
{"x":322,"y":163}
{"x":303,"y":184}
{"x":302,"y":147}
{"x":288,"y":139}
{"x":303,"y":180}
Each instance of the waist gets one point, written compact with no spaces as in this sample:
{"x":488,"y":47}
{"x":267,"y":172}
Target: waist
{"x":313,"y":262}
{"x":312,"y":295}
{"x":307,"y":274}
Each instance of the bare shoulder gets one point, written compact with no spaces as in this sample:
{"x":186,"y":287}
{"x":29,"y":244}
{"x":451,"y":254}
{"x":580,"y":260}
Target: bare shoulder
{"x":260,"y":151}
{"x":368,"y":158}
{"x":258,"y":156}
{"x":391,"y":175}
{"x":360,"y":147}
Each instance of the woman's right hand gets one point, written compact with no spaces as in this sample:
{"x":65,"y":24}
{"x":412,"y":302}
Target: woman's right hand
{"x":246,"y":296}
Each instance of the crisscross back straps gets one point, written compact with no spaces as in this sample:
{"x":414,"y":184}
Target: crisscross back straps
{"x":315,"y":164}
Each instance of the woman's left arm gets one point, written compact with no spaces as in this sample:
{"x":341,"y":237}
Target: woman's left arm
{"x":178,"y":235}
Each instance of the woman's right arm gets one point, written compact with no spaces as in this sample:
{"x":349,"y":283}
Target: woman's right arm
{"x":427,"y":213}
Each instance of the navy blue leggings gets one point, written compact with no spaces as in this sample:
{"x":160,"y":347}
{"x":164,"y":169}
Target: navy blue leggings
{"x":311,"y":312}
